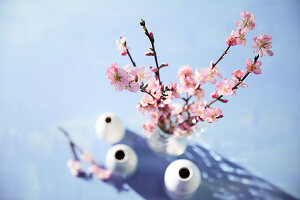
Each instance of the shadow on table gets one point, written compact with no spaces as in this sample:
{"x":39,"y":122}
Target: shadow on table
{"x":221,"y":179}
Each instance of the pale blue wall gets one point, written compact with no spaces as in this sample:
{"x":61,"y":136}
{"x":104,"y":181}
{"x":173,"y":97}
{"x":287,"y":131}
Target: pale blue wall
{"x":53,"y":57}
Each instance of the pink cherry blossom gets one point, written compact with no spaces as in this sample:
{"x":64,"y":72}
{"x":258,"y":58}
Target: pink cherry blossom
{"x":167,"y":97}
{"x":179,"y":131}
{"x":239,"y":74}
{"x":263,"y":45}
{"x":199,"y":94}
{"x":240,"y":37}
{"x":184,"y":72}
{"x":212,"y":114}
{"x":118,"y":77}
{"x":176,"y":108}
{"x":173,"y":87}
{"x":231,"y":39}
{"x":133,"y":86}
{"x":149,"y":128}
{"x":186,"y":79}
{"x":212,"y":73}
{"x":87,"y":157}
{"x":207,"y":75}
{"x":184,"y":129}
{"x":247,"y":23}
{"x":253,"y":67}
{"x":154,"y":115}
{"x":200,"y":76}
{"x":225,"y":88}
{"x":147,"y":104}
{"x":153,"y":85}
{"x":187,"y":85}
{"x":214,"y":94}
{"x":236,"y":81}
{"x":141,"y":73}
{"x":121,"y":45}
{"x":75,"y":167}
{"x":198,"y":109}
{"x":99,"y":173}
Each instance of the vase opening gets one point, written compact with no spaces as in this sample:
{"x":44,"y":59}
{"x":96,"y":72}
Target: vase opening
{"x":108,"y":120}
{"x":184,"y":173}
{"x":120,"y":155}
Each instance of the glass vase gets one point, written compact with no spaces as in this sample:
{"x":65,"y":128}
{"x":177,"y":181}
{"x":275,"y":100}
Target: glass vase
{"x":166,"y":144}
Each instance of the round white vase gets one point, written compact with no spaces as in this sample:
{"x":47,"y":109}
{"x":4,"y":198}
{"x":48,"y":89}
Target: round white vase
{"x":110,"y":128}
{"x":182,"y":179}
{"x":121,"y":160}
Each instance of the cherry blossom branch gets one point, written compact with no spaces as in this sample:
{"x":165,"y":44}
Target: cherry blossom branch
{"x":219,"y":98}
{"x":75,"y":166}
{"x":213,"y":101}
{"x":151,"y":38}
{"x":192,"y":110}
{"x":72,"y":144}
{"x":213,"y":66}
{"x":222,"y":56}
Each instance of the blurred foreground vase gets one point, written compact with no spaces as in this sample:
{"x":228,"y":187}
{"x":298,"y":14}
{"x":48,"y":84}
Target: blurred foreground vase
{"x":110,"y":128}
{"x":182,"y":179}
{"x":121,"y":160}
{"x":166,"y":144}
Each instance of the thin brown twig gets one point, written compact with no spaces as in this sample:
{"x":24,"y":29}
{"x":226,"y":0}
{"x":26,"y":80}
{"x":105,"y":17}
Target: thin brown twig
{"x":153,"y":49}
{"x":133,"y":63}
{"x":221,"y":57}
{"x":145,"y":91}
{"x":72,"y":144}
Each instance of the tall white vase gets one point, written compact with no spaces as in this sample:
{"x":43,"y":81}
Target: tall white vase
{"x":110,"y":128}
{"x":182,"y":179}
{"x":121,"y":160}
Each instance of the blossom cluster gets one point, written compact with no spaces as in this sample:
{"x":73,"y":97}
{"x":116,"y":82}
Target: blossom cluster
{"x":177,"y":108}
{"x":125,"y":78}
{"x":94,"y":170}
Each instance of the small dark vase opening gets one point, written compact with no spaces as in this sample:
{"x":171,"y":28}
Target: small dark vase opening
{"x":120,"y":155}
{"x":108,"y":119}
{"x":184,"y":173}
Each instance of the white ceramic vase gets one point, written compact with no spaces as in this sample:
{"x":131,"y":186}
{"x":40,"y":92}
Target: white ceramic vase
{"x":121,"y":160}
{"x":110,"y":128}
{"x":182,"y":179}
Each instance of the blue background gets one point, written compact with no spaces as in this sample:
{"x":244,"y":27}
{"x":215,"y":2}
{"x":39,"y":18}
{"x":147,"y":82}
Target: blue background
{"x":53,"y":58}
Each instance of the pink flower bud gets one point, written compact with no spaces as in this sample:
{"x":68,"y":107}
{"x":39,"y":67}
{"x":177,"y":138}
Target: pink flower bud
{"x":148,"y":53}
{"x":124,"y":53}
{"x":151,"y":34}
{"x":224,"y":100}
{"x":153,"y":69}
{"x":136,"y":78}
{"x":163,"y":65}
